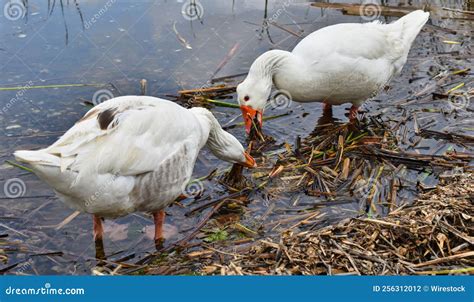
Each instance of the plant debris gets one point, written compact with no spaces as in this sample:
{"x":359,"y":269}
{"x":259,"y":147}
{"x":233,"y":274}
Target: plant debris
{"x":235,"y":178}
{"x":432,"y":236}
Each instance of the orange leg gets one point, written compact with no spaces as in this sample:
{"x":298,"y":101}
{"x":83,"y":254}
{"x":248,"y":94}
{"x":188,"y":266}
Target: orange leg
{"x":98,"y":229}
{"x":98,"y":235}
{"x":159,"y":218}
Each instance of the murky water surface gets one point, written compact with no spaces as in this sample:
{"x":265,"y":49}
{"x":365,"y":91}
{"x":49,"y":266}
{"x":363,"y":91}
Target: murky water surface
{"x":113,"y":44}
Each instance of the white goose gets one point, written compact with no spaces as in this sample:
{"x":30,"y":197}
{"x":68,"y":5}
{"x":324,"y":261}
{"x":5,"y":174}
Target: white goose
{"x":343,"y":63}
{"x":131,"y":153}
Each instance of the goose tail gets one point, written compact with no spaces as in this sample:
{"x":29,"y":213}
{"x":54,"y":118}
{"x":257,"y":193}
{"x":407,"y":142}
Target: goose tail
{"x":411,"y":24}
{"x":36,"y":157}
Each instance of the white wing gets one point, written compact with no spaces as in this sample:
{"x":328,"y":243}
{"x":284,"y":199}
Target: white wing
{"x":367,"y":41}
{"x":127,"y":136}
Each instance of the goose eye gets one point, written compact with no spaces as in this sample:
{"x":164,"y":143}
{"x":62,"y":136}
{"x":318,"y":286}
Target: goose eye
{"x":246,"y":98}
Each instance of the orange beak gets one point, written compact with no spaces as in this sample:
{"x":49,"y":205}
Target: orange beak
{"x":249,"y":161}
{"x":249,"y":115}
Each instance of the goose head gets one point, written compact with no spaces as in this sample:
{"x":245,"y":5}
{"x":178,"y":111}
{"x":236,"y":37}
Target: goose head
{"x":252,"y":95}
{"x":226,"y":147}
{"x":221,"y":143}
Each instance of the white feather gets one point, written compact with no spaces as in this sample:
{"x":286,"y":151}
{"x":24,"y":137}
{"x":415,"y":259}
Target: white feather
{"x":139,"y":161}
{"x":337,"y":64}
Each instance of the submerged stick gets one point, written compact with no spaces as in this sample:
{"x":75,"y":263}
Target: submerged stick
{"x":213,"y":202}
{"x":357,"y":9}
{"x":26,"y":87}
{"x":227,"y":58}
{"x":180,"y":38}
